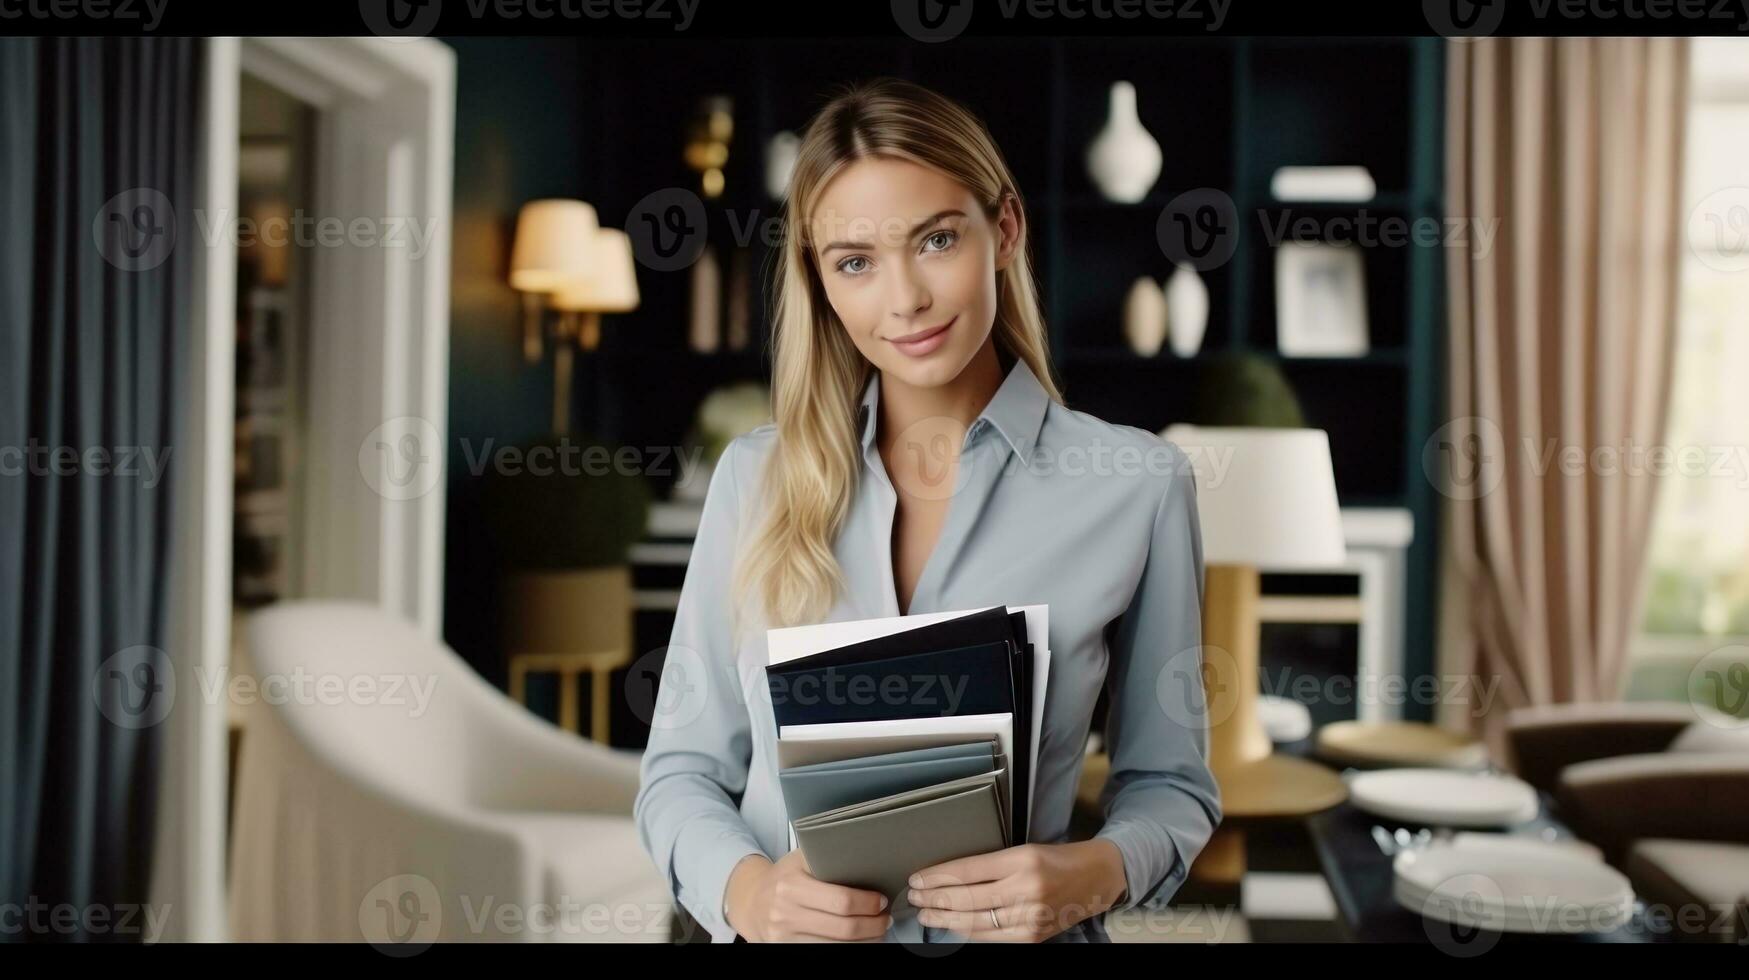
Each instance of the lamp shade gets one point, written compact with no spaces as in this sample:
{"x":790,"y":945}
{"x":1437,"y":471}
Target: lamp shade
{"x":1267,"y":497}
{"x":609,"y":284}
{"x":554,"y":241}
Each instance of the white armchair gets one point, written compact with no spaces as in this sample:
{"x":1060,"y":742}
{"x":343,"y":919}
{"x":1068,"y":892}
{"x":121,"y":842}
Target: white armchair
{"x":386,"y":792}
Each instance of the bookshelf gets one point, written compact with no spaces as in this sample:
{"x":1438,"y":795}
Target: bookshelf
{"x":1226,"y":111}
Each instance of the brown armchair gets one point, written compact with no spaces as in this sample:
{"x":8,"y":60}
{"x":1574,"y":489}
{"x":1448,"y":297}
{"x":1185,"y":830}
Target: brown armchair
{"x":1664,"y":795}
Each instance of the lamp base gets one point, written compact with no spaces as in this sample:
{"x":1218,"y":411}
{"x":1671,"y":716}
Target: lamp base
{"x":1255,"y":783}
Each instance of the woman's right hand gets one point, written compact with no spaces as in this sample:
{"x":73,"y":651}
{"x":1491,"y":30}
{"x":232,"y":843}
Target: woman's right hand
{"x":775,"y":902}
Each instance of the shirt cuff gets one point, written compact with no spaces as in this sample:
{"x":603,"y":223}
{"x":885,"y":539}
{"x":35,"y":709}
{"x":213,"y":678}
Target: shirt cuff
{"x":707,"y":896}
{"x":1151,"y":864}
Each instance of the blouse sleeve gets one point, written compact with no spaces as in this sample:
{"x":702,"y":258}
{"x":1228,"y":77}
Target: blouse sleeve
{"x":1161,"y":802}
{"x":694,"y":769}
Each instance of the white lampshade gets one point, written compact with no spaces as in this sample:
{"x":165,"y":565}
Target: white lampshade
{"x":1267,"y":497}
{"x":554,"y":239}
{"x":609,"y":284}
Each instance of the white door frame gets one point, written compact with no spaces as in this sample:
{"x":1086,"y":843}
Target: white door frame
{"x":374,"y":448}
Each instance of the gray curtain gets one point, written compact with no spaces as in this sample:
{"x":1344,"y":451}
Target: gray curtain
{"x":94,"y":337}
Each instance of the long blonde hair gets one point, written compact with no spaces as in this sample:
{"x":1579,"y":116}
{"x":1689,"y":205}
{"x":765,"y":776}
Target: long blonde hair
{"x":818,"y":374}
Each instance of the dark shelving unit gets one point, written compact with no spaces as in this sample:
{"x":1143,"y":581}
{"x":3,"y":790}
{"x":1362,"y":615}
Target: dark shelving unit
{"x":1226,"y":111}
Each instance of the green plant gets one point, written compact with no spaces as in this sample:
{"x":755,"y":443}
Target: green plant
{"x":727,"y":412}
{"x":570,"y":505}
{"x":1243,"y":389}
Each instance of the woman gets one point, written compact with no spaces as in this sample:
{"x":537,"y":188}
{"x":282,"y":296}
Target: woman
{"x":921,"y":459}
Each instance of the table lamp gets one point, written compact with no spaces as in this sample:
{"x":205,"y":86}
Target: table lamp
{"x":610,"y":285}
{"x":1267,"y":500}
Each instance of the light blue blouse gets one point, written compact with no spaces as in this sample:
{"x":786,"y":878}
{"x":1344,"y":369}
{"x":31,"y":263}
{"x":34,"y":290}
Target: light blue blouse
{"x":1052,"y":506}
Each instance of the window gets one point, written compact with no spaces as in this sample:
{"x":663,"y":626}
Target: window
{"x":1699,"y":564}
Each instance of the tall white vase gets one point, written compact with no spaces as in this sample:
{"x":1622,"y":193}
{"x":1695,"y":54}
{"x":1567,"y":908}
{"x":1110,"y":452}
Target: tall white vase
{"x":1124,"y":160}
{"x":1187,"y":310}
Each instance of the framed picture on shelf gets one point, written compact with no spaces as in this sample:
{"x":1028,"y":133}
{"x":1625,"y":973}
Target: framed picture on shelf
{"x":260,"y":573}
{"x":263,"y":355}
{"x":1320,"y":299}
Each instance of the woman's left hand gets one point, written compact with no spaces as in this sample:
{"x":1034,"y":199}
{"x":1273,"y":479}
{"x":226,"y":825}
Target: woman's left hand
{"x":1036,"y":890}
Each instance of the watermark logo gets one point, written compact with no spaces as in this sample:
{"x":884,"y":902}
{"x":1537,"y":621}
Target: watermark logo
{"x":932,"y":21}
{"x":402,"y":459}
{"x":1464,"y":20}
{"x":1199,"y":228}
{"x":135,"y":230}
{"x":400,"y":20}
{"x":401,"y":915}
{"x":667,"y":228}
{"x":1464,"y":915}
{"x":668,"y":688}
{"x":1720,"y":683}
{"x":1718,"y":230}
{"x":1189,"y":689}
{"x":935,"y":465}
{"x":114,"y":10}
{"x":135,"y":687}
{"x":1465,"y":459}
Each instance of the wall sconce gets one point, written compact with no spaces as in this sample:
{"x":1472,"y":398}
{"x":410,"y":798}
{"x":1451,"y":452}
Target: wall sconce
{"x":554,"y":237}
{"x":610,"y":286}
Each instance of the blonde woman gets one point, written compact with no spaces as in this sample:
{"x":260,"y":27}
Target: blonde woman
{"x":921,"y":459}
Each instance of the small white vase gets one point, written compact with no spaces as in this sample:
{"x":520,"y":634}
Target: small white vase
{"x":1144,"y":317}
{"x":1187,"y":306}
{"x":1124,"y":160}
{"x":780,"y":160}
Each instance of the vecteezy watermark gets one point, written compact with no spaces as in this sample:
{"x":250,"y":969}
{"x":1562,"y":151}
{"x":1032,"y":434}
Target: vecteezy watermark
{"x":1718,"y":230}
{"x":667,"y":228}
{"x":1190,"y":690}
{"x":940,"y":466}
{"x":406,"y":19}
{"x":135,"y":687}
{"x":149,"y":13}
{"x":579,"y":459}
{"x":128,"y":462}
{"x":34,"y":918}
{"x":1718,"y":687}
{"x":1179,"y":923}
{"x":402,"y":915}
{"x":135,"y":230}
{"x":402,"y":459}
{"x":1199,"y":228}
{"x":931,"y":693}
{"x":1464,"y":914}
{"x":1467,"y":457}
{"x":312,"y":688}
{"x":1394,"y":690}
{"x":933,"y":21}
{"x":1372,"y":228}
{"x":1469,"y":19}
{"x":669,"y":687}
{"x":313,"y":231}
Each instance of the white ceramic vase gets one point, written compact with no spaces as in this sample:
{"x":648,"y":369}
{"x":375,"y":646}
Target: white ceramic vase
{"x":1144,"y":317}
{"x":780,"y":160}
{"x":1187,"y":310}
{"x":1124,"y":160}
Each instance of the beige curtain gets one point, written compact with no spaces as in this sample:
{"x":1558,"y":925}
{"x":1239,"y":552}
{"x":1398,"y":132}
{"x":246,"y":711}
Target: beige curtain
{"x":1565,"y":155}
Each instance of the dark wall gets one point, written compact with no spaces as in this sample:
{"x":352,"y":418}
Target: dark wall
{"x":520,"y":133}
